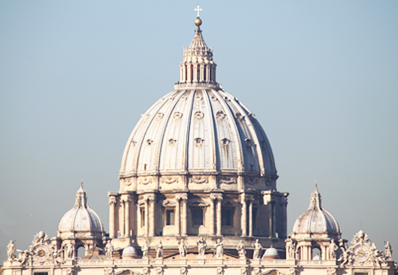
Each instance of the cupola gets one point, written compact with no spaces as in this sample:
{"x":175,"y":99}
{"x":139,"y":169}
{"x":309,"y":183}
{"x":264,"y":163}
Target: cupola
{"x":80,"y":219}
{"x":316,"y":220}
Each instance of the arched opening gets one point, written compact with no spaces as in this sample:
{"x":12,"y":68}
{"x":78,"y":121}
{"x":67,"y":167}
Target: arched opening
{"x":198,"y":73}
{"x":80,"y":252}
{"x":316,"y":254}
{"x":299,"y":253}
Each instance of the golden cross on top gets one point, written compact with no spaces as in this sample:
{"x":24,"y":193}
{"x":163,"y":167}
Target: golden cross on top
{"x":198,"y":10}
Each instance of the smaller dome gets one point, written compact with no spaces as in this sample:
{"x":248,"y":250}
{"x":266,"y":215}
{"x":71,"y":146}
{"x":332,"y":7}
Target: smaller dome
{"x":270,"y":254}
{"x":129,"y":253}
{"x":316,"y":219}
{"x":80,"y":219}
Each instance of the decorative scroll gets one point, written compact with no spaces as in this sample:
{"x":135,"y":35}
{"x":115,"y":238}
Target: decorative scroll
{"x":128,"y":182}
{"x":169,"y":180}
{"x":228,"y":180}
{"x":199,"y":179}
{"x":251,"y":181}
{"x":144,"y":181}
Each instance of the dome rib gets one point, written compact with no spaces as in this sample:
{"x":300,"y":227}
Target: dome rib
{"x":151,"y":115}
{"x":162,"y":132}
{"x":141,"y":123}
{"x":234,"y":129}
{"x":213,"y":137}
{"x":253,"y":136}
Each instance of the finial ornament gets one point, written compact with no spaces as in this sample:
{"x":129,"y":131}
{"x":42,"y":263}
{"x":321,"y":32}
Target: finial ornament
{"x":198,"y":10}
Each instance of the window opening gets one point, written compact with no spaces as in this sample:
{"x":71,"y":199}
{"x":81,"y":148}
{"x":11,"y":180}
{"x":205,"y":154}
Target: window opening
{"x":227,"y":217}
{"x":80,"y":252}
{"x":170,"y":217}
{"x":198,"y":73}
{"x":316,"y":254}
{"x":197,"y":217}
{"x":142,"y":217}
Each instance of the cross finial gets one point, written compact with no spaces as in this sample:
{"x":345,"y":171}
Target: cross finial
{"x":198,"y":10}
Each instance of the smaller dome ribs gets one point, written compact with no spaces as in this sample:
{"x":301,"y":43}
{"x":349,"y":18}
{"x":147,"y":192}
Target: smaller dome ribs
{"x":80,"y":219}
{"x":316,"y":220}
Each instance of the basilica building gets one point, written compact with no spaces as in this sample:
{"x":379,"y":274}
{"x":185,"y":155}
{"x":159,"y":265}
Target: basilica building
{"x":198,"y":194}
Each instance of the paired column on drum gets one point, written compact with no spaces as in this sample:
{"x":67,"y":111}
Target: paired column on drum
{"x":149,"y":218}
{"x":120,"y":215}
{"x":112,"y":218}
{"x":246,"y":223}
{"x":215,"y":208}
{"x":181,"y":214}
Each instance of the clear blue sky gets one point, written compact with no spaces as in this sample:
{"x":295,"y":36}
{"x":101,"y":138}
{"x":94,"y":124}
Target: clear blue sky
{"x":321,"y":77}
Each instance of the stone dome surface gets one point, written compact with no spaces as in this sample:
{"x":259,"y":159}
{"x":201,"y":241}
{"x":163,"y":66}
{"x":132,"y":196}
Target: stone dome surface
{"x":80,"y":219}
{"x":271,"y":253}
{"x":200,"y":129}
{"x":129,"y":253}
{"x":316,"y":219}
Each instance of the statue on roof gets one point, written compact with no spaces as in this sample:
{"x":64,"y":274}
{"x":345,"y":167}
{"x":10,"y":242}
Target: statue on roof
{"x":241,"y":249}
{"x":219,"y":251}
{"x":257,"y":250}
{"x":388,"y":251}
{"x":145,"y":249}
{"x":182,"y":247}
{"x":332,"y":250}
{"x":11,"y":250}
{"x":109,"y":249}
{"x":201,"y":246}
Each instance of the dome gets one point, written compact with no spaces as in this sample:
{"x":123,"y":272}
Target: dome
{"x":129,"y":253}
{"x":316,"y":219}
{"x":80,"y":219}
{"x":271,"y":253}
{"x":197,"y":129}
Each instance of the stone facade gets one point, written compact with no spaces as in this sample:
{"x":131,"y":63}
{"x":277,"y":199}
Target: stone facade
{"x":198,"y":195}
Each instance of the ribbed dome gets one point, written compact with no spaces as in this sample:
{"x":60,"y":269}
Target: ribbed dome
{"x":198,"y":129}
{"x":316,"y":219}
{"x":80,"y":219}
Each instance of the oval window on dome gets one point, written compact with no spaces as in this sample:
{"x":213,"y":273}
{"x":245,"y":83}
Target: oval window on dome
{"x":198,"y":141}
{"x":199,"y":115}
{"x":177,"y":115}
{"x":220,"y":115}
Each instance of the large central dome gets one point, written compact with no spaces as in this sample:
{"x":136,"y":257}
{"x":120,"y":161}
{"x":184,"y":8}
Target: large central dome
{"x":199,"y":129}
{"x":198,"y":163}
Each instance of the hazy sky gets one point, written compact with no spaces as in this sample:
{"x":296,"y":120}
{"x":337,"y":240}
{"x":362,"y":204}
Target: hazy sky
{"x":321,"y":77}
